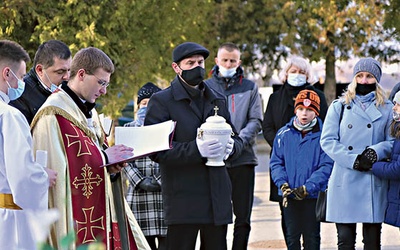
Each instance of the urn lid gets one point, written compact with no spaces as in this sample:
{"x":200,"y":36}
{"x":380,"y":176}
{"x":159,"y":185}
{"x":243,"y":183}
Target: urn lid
{"x":216,"y":121}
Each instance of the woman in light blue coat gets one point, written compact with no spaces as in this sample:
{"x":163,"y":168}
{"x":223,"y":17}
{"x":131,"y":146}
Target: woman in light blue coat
{"x":356,"y":134}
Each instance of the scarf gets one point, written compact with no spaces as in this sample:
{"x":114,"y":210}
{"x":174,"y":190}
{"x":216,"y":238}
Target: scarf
{"x":365,"y":100}
{"x":304,"y":128}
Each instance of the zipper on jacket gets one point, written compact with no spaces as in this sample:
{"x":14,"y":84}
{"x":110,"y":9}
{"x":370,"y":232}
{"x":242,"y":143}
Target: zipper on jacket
{"x":233,"y":103}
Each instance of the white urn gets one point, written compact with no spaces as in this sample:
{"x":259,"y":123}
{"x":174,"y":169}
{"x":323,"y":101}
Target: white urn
{"x":215,"y":127}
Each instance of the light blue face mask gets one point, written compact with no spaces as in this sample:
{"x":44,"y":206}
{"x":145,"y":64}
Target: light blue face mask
{"x":53,"y":87}
{"x":296,"y":80}
{"x":14,"y":94}
{"x":227,"y":73}
{"x":141,"y":114}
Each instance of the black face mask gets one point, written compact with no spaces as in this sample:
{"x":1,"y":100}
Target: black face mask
{"x":363,"y":89}
{"x":194,"y":76}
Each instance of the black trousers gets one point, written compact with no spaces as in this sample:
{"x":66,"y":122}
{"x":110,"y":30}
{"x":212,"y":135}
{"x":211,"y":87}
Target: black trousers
{"x":242,"y":179}
{"x":347,"y":236}
{"x":300,"y":222}
{"x":162,"y":242}
{"x":184,"y":236}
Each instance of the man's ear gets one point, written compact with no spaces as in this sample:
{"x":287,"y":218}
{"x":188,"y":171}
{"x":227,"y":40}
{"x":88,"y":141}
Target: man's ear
{"x":5,"y":72}
{"x":39,"y":70}
{"x":176,"y":68}
{"x":81,"y":74}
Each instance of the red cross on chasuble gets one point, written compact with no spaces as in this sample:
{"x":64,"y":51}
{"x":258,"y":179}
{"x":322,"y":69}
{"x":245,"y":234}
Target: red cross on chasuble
{"x":88,"y":190}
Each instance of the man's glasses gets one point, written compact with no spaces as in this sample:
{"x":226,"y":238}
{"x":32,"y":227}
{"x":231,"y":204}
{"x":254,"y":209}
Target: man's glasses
{"x":102,"y":82}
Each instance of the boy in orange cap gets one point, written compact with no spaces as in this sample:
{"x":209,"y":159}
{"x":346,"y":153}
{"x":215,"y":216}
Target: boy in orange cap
{"x":301,"y":169}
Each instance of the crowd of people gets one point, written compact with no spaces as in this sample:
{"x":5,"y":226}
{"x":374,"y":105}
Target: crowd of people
{"x":350,"y":147}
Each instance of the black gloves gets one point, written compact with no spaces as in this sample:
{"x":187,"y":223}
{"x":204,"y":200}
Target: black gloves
{"x":300,"y":193}
{"x":149,"y":184}
{"x":365,"y":160}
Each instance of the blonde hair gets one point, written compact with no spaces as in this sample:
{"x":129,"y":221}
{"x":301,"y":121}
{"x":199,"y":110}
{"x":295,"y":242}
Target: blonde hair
{"x":350,"y":93}
{"x":300,"y":63}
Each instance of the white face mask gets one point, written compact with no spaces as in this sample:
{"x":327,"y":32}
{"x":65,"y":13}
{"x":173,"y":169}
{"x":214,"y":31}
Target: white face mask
{"x":14,"y":94}
{"x":396,"y":116}
{"x":296,"y":80}
{"x":227,"y":73}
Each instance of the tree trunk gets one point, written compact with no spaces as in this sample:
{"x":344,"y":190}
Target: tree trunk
{"x":330,"y":78}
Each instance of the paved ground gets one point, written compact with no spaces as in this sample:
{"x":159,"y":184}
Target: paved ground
{"x":266,"y":231}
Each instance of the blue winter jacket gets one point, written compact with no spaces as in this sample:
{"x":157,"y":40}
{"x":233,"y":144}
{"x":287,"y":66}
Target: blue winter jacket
{"x":391,"y":171}
{"x":300,"y":161}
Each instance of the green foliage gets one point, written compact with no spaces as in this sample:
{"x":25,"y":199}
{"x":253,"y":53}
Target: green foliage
{"x":269,"y":30}
{"x":139,"y":36}
{"x":257,"y":26}
{"x":392,"y":17}
{"x":334,"y":30}
{"x":68,"y":240}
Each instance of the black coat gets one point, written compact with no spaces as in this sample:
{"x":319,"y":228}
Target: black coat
{"x":193,"y":193}
{"x":33,"y":96}
{"x":279,"y":111}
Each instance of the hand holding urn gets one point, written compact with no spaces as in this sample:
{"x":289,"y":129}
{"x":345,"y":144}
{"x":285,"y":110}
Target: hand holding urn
{"x":212,"y":139}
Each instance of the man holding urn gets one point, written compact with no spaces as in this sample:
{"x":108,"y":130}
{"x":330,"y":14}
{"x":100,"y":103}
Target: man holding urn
{"x":196,"y":197}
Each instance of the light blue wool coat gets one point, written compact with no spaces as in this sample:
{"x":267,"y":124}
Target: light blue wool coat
{"x":355,"y":196}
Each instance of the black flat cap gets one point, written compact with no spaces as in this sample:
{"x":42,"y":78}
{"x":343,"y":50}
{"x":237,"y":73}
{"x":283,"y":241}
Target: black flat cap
{"x":187,"y":49}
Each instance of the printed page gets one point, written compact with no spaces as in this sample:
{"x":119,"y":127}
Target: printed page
{"x":146,"y":139}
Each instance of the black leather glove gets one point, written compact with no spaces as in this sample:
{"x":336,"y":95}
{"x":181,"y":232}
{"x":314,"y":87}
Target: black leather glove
{"x":365,"y":160}
{"x":300,"y":193}
{"x":147,"y":184}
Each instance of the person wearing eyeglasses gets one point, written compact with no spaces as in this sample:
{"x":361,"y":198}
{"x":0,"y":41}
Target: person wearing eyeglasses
{"x":68,"y":127}
{"x":51,"y":66}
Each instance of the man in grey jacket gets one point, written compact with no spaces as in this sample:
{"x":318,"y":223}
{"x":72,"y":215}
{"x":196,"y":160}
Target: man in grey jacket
{"x":244,"y":105}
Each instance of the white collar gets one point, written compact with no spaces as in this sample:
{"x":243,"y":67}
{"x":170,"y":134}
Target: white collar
{"x":4,"y":97}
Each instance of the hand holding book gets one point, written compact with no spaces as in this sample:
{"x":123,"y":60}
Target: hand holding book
{"x":143,"y":140}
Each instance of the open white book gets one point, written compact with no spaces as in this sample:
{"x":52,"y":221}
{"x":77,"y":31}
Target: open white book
{"x":146,"y":139}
